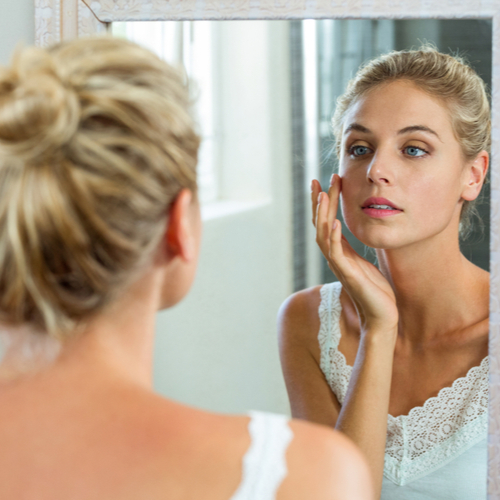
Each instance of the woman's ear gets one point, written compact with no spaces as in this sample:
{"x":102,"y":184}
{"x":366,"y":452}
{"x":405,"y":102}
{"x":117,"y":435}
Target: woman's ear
{"x":180,"y":236}
{"x":476,"y":174}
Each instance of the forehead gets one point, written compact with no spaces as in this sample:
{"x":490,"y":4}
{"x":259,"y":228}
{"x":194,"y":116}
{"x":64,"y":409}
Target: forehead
{"x":391,"y":107}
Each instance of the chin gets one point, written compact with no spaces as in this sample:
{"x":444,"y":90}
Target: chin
{"x":376,"y":236}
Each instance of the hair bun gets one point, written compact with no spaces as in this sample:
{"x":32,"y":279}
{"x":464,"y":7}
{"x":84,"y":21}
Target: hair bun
{"x":38,"y":112}
{"x":96,"y":141}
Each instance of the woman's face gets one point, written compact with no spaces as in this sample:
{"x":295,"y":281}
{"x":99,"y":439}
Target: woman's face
{"x":403,"y":172}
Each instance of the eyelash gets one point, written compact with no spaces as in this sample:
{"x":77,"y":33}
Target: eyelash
{"x":352,"y":148}
{"x":421,"y":149}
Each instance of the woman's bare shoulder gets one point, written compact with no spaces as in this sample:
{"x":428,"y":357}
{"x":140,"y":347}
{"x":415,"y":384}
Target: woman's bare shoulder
{"x":298,"y":318}
{"x":303,"y":300}
{"x":333,"y":465}
{"x":189,"y":450}
{"x":190,"y":423}
{"x":321,"y":463}
{"x":299,"y":321}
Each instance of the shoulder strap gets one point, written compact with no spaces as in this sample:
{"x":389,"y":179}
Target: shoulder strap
{"x":264,"y":464}
{"x":329,"y":329}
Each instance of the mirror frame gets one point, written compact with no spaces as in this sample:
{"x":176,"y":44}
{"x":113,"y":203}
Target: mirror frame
{"x":57,"y":20}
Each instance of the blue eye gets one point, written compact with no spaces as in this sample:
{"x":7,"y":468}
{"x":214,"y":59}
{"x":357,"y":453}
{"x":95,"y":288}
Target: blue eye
{"x":359,"y":150}
{"x":414,"y":151}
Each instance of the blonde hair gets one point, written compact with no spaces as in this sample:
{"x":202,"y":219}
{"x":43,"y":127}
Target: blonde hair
{"x":440,"y":75}
{"x":96,"y":141}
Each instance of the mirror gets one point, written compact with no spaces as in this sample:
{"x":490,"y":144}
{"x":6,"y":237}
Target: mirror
{"x":236,"y":174}
{"x":270,"y":194}
{"x":244,"y":86}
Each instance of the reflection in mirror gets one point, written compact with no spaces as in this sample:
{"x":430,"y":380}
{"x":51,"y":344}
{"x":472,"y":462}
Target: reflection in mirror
{"x":338,"y":48}
{"x":344,"y":45}
{"x":266,"y":101}
{"x":218,"y":348}
{"x":409,"y":338}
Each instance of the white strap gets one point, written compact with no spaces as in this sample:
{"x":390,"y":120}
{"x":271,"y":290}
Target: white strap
{"x":264,"y":464}
{"x":332,"y":361}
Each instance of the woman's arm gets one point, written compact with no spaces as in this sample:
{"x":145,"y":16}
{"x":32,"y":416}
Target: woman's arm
{"x":363,"y":415}
{"x":310,"y":396}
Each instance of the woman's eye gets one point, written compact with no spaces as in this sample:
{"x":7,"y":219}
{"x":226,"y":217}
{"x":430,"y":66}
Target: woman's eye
{"x":414,"y":151}
{"x":359,"y":150}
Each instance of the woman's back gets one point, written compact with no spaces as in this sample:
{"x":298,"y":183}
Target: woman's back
{"x":65,"y":435}
{"x":111,"y":441}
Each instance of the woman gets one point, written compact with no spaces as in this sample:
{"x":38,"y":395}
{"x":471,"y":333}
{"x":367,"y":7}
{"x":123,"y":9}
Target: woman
{"x":100,"y":228}
{"x":396,"y":356}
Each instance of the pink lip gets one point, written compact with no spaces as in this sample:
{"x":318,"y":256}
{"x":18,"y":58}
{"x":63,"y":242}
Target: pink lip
{"x":378,"y":212}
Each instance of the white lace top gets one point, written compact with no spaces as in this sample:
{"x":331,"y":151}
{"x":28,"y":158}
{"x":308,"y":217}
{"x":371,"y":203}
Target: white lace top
{"x":264,"y":464}
{"x":431,"y":436}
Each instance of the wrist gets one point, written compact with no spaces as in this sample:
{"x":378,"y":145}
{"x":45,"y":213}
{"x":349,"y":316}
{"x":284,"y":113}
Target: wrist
{"x":380,"y":335}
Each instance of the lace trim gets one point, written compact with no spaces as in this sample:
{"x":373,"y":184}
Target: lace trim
{"x":404,"y":470}
{"x":264,"y":464}
{"x":332,"y":362}
{"x":430,"y":435}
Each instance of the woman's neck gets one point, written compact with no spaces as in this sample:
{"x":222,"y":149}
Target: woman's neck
{"x":121,"y":339}
{"x":438,"y":291}
{"x":117,"y":344}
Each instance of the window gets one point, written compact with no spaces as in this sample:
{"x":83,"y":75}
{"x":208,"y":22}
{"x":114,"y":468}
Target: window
{"x":188,"y":44}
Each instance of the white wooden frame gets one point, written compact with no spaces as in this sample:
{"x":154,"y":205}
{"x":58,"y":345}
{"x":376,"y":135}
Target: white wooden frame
{"x":57,"y":20}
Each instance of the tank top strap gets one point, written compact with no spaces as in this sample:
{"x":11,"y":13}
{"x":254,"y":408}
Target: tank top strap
{"x":332,"y":362}
{"x":329,"y":329}
{"x":264,"y":464}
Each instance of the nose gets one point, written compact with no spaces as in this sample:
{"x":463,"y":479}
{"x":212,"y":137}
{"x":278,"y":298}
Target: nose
{"x":379,"y":170}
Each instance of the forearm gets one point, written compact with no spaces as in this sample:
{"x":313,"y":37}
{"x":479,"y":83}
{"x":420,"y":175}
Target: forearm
{"x":363,"y":416}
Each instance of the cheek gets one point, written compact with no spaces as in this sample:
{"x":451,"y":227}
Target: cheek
{"x":350,"y":195}
{"x":435,"y":196}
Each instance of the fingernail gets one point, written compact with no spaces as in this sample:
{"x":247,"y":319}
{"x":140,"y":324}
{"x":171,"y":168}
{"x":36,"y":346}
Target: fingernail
{"x":312,"y":185}
{"x":319,"y":197}
{"x":332,"y":180}
{"x":334,"y":224}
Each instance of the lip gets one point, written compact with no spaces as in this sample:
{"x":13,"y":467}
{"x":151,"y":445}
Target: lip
{"x":378,"y":213}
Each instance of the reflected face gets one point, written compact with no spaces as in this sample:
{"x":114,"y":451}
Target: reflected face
{"x":402,"y":169}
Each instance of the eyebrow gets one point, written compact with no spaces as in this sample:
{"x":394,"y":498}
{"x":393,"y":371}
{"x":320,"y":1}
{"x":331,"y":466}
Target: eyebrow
{"x":358,"y":127}
{"x":418,"y":128}
{"x":406,"y":130}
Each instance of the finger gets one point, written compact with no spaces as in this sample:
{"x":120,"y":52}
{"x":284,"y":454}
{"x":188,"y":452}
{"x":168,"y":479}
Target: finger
{"x":357,"y":260}
{"x":336,"y":251}
{"x":333,"y":195}
{"x":348,"y":250}
{"x":322,"y":228}
{"x":315,"y":191}
{"x":336,"y":256}
{"x":350,"y":253}
{"x":344,"y":266}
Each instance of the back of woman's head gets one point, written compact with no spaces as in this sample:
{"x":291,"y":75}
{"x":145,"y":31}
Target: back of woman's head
{"x":96,"y":141}
{"x":440,"y":75}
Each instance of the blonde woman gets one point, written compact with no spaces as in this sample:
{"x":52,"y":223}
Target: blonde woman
{"x":100,"y":228}
{"x":396,"y":356}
